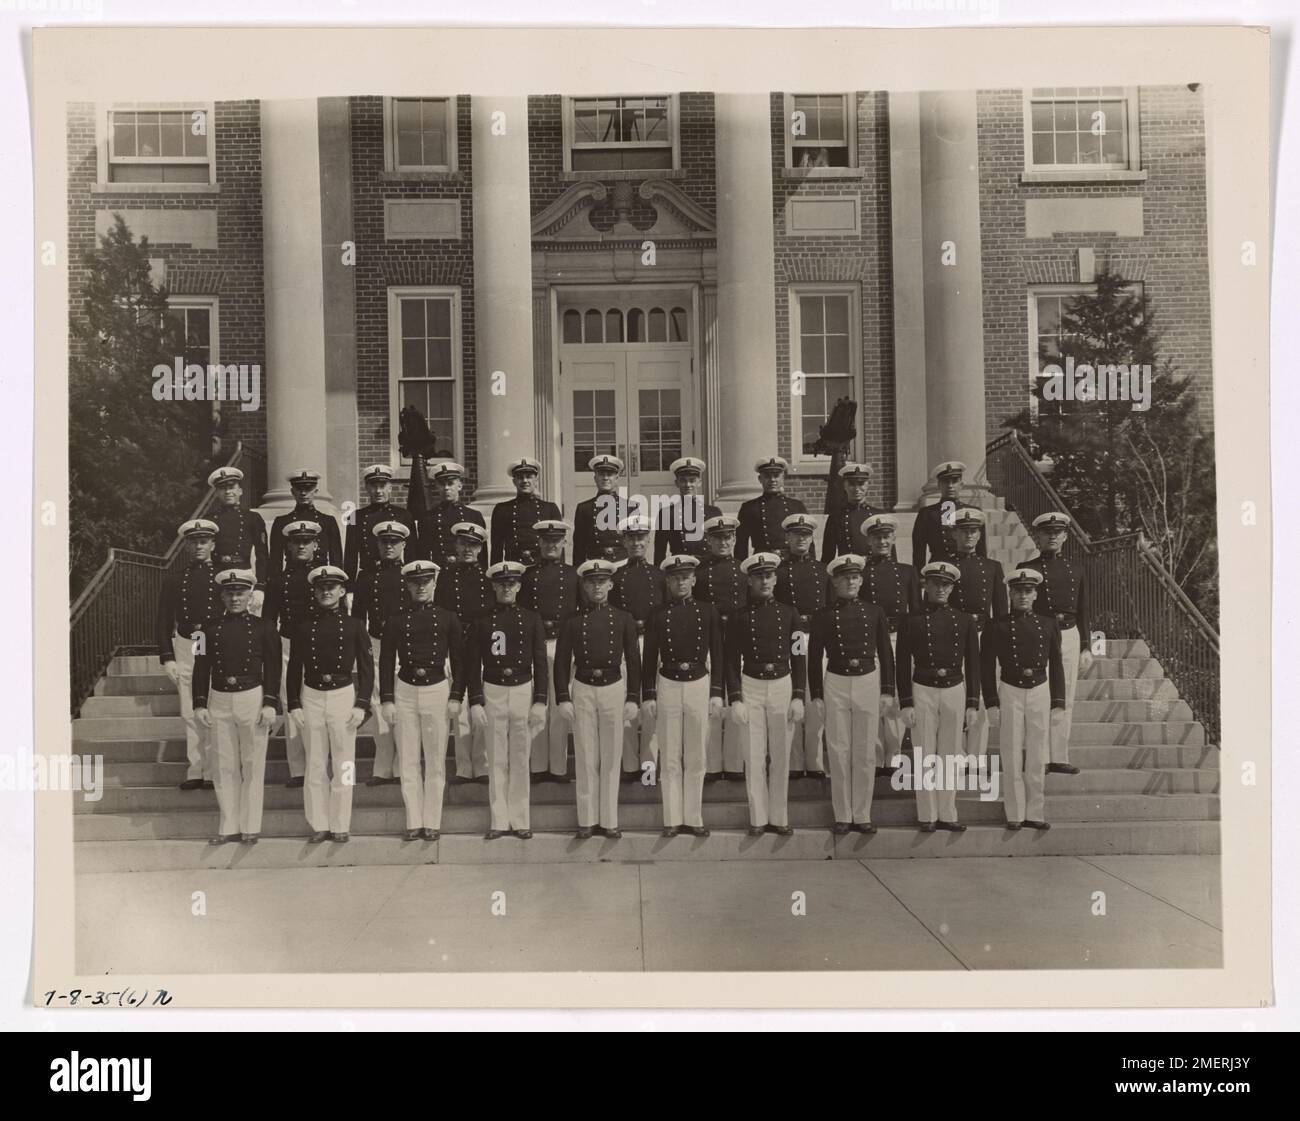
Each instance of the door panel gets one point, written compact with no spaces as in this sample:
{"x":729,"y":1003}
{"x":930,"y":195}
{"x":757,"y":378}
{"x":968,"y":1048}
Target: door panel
{"x":594,"y":414}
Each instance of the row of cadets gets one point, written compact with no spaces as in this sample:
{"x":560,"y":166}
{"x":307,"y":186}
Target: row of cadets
{"x":436,"y":529}
{"x":638,"y":589}
{"x":721,"y":582}
{"x":802,"y":582}
{"x":360,"y":546}
{"x":680,"y":528}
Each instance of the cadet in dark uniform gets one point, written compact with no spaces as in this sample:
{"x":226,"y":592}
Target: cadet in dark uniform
{"x":327,"y":707}
{"x":638,"y":589}
{"x":237,"y":695}
{"x":938,"y":668}
{"x":681,"y":689}
{"x":596,"y":519}
{"x":981,"y":593}
{"x":505,"y":661}
{"x":761,"y":517}
{"x":843,"y":532}
{"x":513,"y":536}
{"x":436,"y":527}
{"x":1064,"y":595}
{"x":360,"y":546}
{"x":550,"y":589}
{"x":241,"y":534}
{"x":930,"y":538}
{"x":853,"y":636}
{"x":766,"y":678}
{"x":187,"y":603}
{"x":464,"y":589}
{"x":420,"y":695}
{"x":377,"y":596}
{"x":803,"y":584}
{"x":596,"y":648}
{"x":894,"y":588}
{"x":289,"y":603}
{"x":679,"y":525}
{"x":1027,"y":645}
{"x":719,"y":581}
{"x":303,"y":483}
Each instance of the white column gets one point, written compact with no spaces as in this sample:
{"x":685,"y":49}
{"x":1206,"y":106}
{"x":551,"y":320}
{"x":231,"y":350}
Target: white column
{"x":294,"y":285}
{"x":746,"y":329}
{"x":503,"y":291}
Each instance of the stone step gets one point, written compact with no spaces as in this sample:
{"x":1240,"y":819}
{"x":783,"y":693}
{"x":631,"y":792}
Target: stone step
{"x":133,"y":685}
{"x":201,"y":820}
{"x":1125,"y":689}
{"x":891,"y":842}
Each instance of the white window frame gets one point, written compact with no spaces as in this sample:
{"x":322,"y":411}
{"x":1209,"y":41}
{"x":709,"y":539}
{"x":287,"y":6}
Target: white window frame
{"x":850,"y":131}
{"x":674,"y":133}
{"x":1133,"y":148}
{"x":390,"y":138}
{"x":798,"y":457}
{"x":395,"y":295}
{"x":213,"y":306}
{"x":106,"y":158}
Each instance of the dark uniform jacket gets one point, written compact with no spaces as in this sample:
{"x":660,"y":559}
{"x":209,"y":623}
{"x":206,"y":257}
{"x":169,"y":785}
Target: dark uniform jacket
{"x":760,"y":524}
{"x":1027,"y":646}
{"x":760,"y":644}
{"x":853,"y":637}
{"x":939,"y":647}
{"x":595,"y":528}
{"x":1063,"y":593}
{"x":241,"y":541}
{"x":513,"y":537}
{"x":242,"y":652}
{"x":289,"y":600}
{"x":329,"y":547}
{"x":593,"y":646}
{"x":189,"y":601}
{"x":360,"y":548}
{"x":893,"y":586}
{"x":804,"y":585}
{"x":463,"y":589}
{"x":551,"y":589}
{"x":981,"y":591}
{"x":507,"y":646}
{"x":930,"y":535}
{"x":843,"y":531}
{"x":423,"y":638}
{"x":680,"y":528}
{"x":638,"y":589}
{"x":683,"y":641}
{"x":323,"y":653}
{"x":433,"y":532}
{"x":379,"y":594}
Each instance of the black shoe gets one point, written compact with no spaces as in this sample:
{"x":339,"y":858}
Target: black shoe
{"x":798,"y":774}
{"x":562,"y":778}
{"x":480,"y":779}
{"x":815,"y":774}
{"x":629,"y":776}
{"x":192,"y":784}
{"x":1015,"y":826}
{"x":375,"y":780}
{"x":492,"y":834}
{"x":697,"y":831}
{"x":294,"y":783}
{"x":756,"y":830}
{"x":734,"y":776}
{"x":1062,"y":769}
{"x":611,"y":834}
{"x":841,"y":828}
{"x":431,"y":834}
{"x":224,"y":838}
{"x":584,"y":833}
{"x":712,"y":776}
{"x":669,"y":831}
{"x":863,"y":827}
{"x":413,"y":835}
{"x":249,"y":838}
{"x":317,"y":838}
{"x":208,"y":785}
{"x":339,"y":838}
{"x":928,"y":827}
{"x":884,"y":772}
{"x":780,"y":830}
{"x":951,"y":826}
{"x":524,"y":834}
{"x":1041,"y":826}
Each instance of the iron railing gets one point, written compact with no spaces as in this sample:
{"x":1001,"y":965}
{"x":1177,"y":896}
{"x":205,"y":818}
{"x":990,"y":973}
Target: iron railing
{"x":116,"y":609}
{"x":1131,"y":594}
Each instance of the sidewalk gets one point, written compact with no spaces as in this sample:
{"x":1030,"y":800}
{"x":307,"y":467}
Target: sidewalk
{"x":977,"y":913}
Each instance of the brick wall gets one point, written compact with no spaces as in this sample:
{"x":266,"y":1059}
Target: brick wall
{"x":865,"y":259}
{"x":1170,"y":259}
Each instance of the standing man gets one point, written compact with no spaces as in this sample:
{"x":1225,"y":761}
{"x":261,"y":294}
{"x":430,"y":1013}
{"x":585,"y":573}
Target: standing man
{"x":981,"y":593}
{"x":505,"y":661}
{"x":377,"y":596}
{"x":513,"y":536}
{"x":761,"y":517}
{"x":188,"y":604}
{"x":1027,"y":645}
{"x":303,"y":484}
{"x":680,"y":525}
{"x":327,"y":708}
{"x":853,"y":636}
{"x":803,"y":584}
{"x":420,"y":698}
{"x":360,"y":546}
{"x":237,"y":695}
{"x":639,"y":590}
{"x":596,"y":647}
{"x":241,"y":534}
{"x":289,"y":603}
{"x":550,"y":588}
{"x":938,"y":666}
{"x":844,"y":525}
{"x":596,"y":519}
{"x":766,"y":677}
{"x":681,"y":691}
{"x":436,"y":530}
{"x":895,"y":589}
{"x":465,"y":591}
{"x":721,"y":583}
{"x":930,"y":540}
{"x":1064,"y":595}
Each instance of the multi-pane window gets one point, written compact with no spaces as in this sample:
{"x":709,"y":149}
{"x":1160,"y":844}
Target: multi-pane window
{"x":660,"y":413}
{"x":1051,"y":338}
{"x":421,"y":133}
{"x":621,"y":133}
{"x":1079,"y":126}
{"x":424,"y":355}
{"x":159,"y":145}
{"x":825,"y":354}
{"x":595,"y":425}
{"x":820,"y":131}
{"x":641,"y":325}
{"x":192,"y":327}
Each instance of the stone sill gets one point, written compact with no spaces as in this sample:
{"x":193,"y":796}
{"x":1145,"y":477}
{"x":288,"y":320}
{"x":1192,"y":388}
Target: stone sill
{"x":1038,"y":177}
{"x":155,"y":188}
{"x":823,"y":172}
{"x":422,"y":177}
{"x":617,"y":176}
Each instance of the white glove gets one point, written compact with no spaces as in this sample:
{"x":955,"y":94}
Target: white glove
{"x":203,"y":717}
{"x":738,"y":712}
{"x":453,"y":709}
{"x":565,"y":709}
{"x":536,"y":718}
{"x":631,"y":710}
{"x":650,"y":709}
{"x":266,"y":717}
{"x":173,"y":671}
{"x":995,"y":717}
{"x":796,"y":711}
{"x":909,"y":717}
{"x":478,"y":716}
{"x":388,"y":710}
{"x":819,"y":707}
{"x":972,"y":714}
{"x":356,"y":718}
{"x":1085,"y":660}
{"x":299,"y":717}
{"x":715,"y":707}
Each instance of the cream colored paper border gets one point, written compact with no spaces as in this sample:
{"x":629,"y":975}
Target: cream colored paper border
{"x":79,"y":64}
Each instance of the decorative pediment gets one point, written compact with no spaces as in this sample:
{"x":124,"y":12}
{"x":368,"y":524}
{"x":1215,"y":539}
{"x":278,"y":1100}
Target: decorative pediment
{"x":677,"y":217}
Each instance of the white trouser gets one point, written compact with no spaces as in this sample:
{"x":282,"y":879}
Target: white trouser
{"x":328,"y":801}
{"x":977,"y":735}
{"x":240,"y":747}
{"x":852,"y":732}
{"x":940,"y":712}
{"x":806,"y":747}
{"x":386,"y":764}
{"x":640,"y":738}
{"x":198,"y":739}
{"x":682,"y":723}
{"x":470,"y":745}
{"x":727,"y":746}
{"x":1024,"y":732}
{"x":892,"y":728}
{"x":1062,"y":719}
{"x":597,"y":745}
{"x":767,"y":766}
{"x":550,"y":748}
{"x":509,"y":744}
{"x":421,"y":723}
{"x":294,"y":750}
